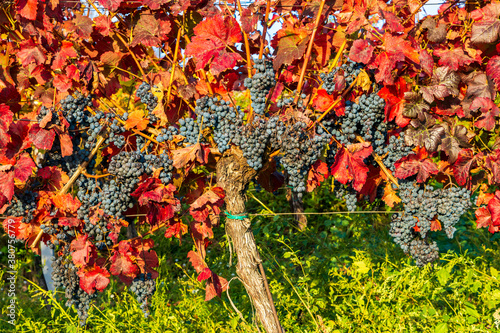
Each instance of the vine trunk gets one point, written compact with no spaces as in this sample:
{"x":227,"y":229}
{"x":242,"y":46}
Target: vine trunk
{"x":234,"y":175}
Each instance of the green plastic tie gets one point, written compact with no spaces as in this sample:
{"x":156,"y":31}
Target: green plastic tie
{"x":236,"y":217}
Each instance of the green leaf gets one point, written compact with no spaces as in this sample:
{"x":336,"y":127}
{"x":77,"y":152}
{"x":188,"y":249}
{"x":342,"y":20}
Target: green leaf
{"x":443,"y":275}
{"x":441,"y":328}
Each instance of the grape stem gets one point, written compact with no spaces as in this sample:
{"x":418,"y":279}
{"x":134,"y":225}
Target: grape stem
{"x":308,"y":53}
{"x":73,"y":178}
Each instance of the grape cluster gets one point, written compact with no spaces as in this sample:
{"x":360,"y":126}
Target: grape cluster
{"x":74,"y":109}
{"x":350,"y":71}
{"x":167,"y":134}
{"x":395,"y":150}
{"x":62,"y":233}
{"x":364,"y":118}
{"x":23,"y":205}
{"x":64,"y":275}
{"x":422,"y":204}
{"x":127,"y":165}
{"x":225,"y":120}
{"x":143,"y":286}
{"x":260,"y":84}
{"x":190,"y":129}
{"x":288,"y":101}
{"x":153,"y":162}
{"x":300,"y":152}
{"x":253,"y":140}
{"x":423,"y":252}
{"x":146,"y":96}
{"x":347,"y":193}
{"x":44,"y":111}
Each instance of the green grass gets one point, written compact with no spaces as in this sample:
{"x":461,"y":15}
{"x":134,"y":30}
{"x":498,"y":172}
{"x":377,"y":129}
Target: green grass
{"x":342,"y":274}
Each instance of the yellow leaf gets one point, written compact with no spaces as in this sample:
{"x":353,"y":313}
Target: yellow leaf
{"x":136,"y":119}
{"x":363,"y":80}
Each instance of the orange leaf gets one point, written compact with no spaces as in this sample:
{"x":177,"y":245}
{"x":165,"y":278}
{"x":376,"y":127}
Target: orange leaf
{"x":136,"y":119}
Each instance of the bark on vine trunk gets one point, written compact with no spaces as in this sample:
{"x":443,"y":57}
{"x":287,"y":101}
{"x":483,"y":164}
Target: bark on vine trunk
{"x":297,"y":207}
{"x":234,"y":175}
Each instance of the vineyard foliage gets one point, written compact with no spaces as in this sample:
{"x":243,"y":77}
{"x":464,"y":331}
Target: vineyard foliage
{"x":115,"y":114}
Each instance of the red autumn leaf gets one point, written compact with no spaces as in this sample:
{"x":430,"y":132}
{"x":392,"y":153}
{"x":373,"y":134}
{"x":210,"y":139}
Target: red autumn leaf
{"x":489,"y":112}
{"x":204,"y":274}
{"x":453,"y":58}
{"x":392,"y":21}
{"x":394,"y":97}
{"x":7,"y":184}
{"x":398,"y":46}
{"x":196,"y":152}
{"x":66,"y":51}
{"x":136,"y":120}
{"x":6,"y":117}
{"x":121,"y":261}
{"x":54,"y":177}
{"x":111,"y":5}
{"x":176,"y":230}
{"x":361,"y":51}
{"x":93,"y":278}
{"x":270,"y":179}
{"x":290,"y":43}
{"x":27,"y":8}
{"x":349,"y":165}
{"x":483,"y":220}
{"x":30,"y":52}
{"x":373,"y":180}
{"x":69,"y":221}
{"x":23,"y":168}
{"x":486,"y":31}
{"x":66,"y":144}
{"x":149,"y":31}
{"x":317,"y":174}
{"x":153,"y":4}
{"x":322,"y":101}
{"x":209,"y":43}
{"x":66,"y":203}
{"x":462,"y":166}
{"x":492,"y":164}
{"x":493,"y":70}
{"x":416,"y":164}
{"x":42,"y":138}
{"x":82,"y":25}
{"x":435,"y":225}
{"x":215,"y":286}
{"x":62,"y":83}
{"x":197,"y":261}
{"x":208,"y":203}
{"x":385,"y":63}
{"x":426,"y":61}
{"x":83,"y":251}
{"x":103,"y":25}
{"x":494,"y":208}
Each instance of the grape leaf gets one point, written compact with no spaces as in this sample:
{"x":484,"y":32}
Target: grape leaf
{"x":123,"y":266}
{"x":454,"y":139}
{"x":6,"y":117}
{"x":478,"y":85}
{"x":93,"y":278}
{"x":29,"y":52}
{"x":454,"y":58}
{"x":489,"y":112}
{"x":149,"y":31}
{"x":415,"y":106}
{"x":390,"y":196}
{"x":492,"y":165}
{"x":317,"y":174}
{"x":69,"y":221}
{"x":485,"y":32}
{"x":66,"y":51}
{"x":394,"y":96}
{"x":7,"y":184}
{"x":416,"y":164}
{"x":111,"y":5}
{"x":290,"y":43}
{"x":391,"y":21}
{"x":27,"y":8}
{"x":361,"y":51}
{"x":209,"y":203}
{"x":212,"y":36}
{"x":196,"y":152}
{"x":83,"y":251}
{"x":349,"y":165}
{"x":490,"y":216}
{"x":426,"y":61}
{"x":323,"y":100}
{"x":103,"y":25}
{"x":137,"y":120}
{"x":215,"y":286}
{"x":176,"y":230}
{"x":197,"y":261}
{"x":42,"y":138}
{"x":444,"y":83}
{"x":493,"y":69}
{"x":461,"y":169}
